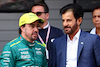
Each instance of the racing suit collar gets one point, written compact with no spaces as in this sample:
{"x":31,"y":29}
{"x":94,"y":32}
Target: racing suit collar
{"x":26,"y":42}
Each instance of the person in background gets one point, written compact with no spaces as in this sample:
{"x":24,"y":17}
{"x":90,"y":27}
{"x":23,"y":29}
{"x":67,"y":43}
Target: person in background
{"x":96,"y":21}
{"x":25,"y":51}
{"x":47,"y":33}
{"x":77,"y":48}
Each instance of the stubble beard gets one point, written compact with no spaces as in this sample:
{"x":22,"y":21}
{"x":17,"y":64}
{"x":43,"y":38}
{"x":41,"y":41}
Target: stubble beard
{"x":72,"y":29}
{"x":30,"y":38}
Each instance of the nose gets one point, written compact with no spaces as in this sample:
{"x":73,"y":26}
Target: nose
{"x":65,"y":23}
{"x":36,"y":30}
{"x":97,"y":18}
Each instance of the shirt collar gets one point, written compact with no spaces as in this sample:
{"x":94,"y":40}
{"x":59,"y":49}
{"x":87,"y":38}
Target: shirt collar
{"x":93,"y":31}
{"x":76,"y":36}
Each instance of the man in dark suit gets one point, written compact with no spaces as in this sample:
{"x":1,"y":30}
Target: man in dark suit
{"x":77,"y":48}
{"x":47,"y":33}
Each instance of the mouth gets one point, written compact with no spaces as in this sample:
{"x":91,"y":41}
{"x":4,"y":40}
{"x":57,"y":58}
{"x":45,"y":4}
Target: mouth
{"x":66,"y":29}
{"x":97,"y":23}
{"x":34,"y":34}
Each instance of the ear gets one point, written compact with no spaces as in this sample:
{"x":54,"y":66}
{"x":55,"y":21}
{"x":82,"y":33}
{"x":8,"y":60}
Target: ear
{"x":79,"y":21}
{"x":47,"y":15}
{"x":22,"y":29}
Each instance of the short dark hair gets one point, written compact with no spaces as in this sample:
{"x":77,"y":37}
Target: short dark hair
{"x":97,"y":7}
{"x":20,"y":29}
{"x":46,"y":9}
{"x":77,"y":10}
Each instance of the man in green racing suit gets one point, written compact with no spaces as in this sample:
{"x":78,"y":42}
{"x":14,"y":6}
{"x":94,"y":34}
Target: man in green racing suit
{"x":25,"y":51}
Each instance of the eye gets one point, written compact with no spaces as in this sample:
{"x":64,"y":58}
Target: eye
{"x":69,"y":20}
{"x":94,"y":17}
{"x":31,"y":25}
{"x":63,"y":20}
{"x":38,"y":13}
{"x":99,"y":16}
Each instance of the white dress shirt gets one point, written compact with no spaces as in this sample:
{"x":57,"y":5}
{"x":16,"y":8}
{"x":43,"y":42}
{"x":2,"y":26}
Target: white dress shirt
{"x":93,"y":31}
{"x":72,"y":47}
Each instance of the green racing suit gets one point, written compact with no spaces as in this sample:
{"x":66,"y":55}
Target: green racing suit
{"x":21,"y":53}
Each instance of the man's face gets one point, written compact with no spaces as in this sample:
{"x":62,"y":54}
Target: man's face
{"x":30,"y":31}
{"x":43,"y":15}
{"x":96,"y":18}
{"x":69,"y":23}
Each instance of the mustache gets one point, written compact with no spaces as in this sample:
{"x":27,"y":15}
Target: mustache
{"x":67,"y":27}
{"x":35,"y":32}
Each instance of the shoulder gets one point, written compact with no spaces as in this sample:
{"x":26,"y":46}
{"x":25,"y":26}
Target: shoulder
{"x":93,"y":39}
{"x":10,"y":44}
{"x":92,"y":31}
{"x":13,"y":42}
{"x":89,"y":36}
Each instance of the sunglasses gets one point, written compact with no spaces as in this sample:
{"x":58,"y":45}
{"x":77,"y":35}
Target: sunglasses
{"x":39,"y":13}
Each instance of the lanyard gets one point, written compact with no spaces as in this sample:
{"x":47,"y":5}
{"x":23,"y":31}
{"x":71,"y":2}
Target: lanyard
{"x":45,"y":44}
{"x":47,"y":37}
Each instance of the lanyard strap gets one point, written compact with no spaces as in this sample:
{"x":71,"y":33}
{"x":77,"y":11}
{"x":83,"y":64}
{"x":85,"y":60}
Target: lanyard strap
{"x":47,"y":37}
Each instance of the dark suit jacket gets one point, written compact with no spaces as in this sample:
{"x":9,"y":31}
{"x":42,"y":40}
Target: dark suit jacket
{"x":88,"y":54}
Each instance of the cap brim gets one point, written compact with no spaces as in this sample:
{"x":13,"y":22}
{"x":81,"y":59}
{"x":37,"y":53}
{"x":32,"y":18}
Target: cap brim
{"x":40,"y":20}
{"x":31,"y":21}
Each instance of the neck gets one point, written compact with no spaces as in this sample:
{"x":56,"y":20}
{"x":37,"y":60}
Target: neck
{"x":98,"y":31}
{"x":44,"y":24}
{"x":73,"y":34}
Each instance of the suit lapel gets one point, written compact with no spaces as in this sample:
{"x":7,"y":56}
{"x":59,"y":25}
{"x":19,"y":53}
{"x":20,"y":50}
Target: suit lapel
{"x":81,"y":43}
